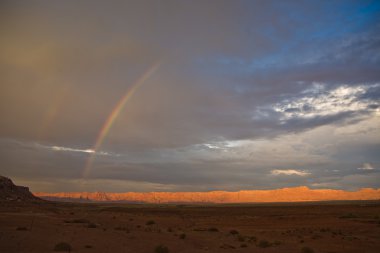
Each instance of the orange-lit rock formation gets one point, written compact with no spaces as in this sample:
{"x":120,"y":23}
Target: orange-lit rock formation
{"x":295,"y":194}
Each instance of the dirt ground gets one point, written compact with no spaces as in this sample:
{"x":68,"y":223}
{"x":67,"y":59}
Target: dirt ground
{"x":302,"y":227}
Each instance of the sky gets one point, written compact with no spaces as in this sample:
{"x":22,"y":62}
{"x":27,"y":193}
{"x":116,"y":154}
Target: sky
{"x":178,"y":95}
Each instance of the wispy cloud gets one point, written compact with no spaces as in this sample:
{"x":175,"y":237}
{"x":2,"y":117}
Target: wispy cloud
{"x":366,"y":166}
{"x":57,"y":148}
{"x":290,"y":172}
{"x":68,"y":149}
{"x":212,"y":146}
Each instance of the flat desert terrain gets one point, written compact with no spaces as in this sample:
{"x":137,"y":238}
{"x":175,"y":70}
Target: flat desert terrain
{"x":352,"y":226}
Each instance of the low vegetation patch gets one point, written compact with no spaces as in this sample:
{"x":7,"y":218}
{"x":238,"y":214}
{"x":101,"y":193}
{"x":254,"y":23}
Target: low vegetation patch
{"x":227,"y":246}
{"x":349,"y":216}
{"x":213,"y":230}
{"x":21,"y":228}
{"x":80,"y":221}
{"x":77,"y":221}
{"x":264,"y":244}
{"x":234,"y":232}
{"x":91,"y":225}
{"x":161,"y":249}
{"x":307,"y":250}
{"x":63,"y":246}
{"x":150,"y":222}
{"x":182,"y":236}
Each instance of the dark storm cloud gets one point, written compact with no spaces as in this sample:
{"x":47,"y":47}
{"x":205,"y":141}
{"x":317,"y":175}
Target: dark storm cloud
{"x":230,"y":71}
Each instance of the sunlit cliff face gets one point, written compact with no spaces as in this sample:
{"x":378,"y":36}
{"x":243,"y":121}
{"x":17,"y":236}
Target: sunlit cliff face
{"x":180,"y":96}
{"x":295,"y":194}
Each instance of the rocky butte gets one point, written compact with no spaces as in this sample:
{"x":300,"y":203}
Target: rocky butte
{"x":295,"y":194}
{"x":11,"y":192}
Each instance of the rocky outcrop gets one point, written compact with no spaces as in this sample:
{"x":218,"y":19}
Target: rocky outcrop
{"x":11,"y":192}
{"x":296,"y":194}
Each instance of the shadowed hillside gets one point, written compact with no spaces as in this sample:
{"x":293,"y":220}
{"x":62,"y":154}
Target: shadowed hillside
{"x":11,"y":192}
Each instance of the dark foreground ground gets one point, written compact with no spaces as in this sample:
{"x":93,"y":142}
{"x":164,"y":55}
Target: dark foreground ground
{"x":309,"y":227}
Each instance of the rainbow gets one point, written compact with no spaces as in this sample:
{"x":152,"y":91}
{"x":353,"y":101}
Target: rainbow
{"x":115,"y":113}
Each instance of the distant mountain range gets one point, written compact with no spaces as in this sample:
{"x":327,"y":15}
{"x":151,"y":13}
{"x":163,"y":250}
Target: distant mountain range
{"x":11,"y":192}
{"x":295,"y":194}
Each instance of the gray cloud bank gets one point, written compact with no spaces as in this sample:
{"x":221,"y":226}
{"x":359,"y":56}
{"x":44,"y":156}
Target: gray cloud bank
{"x":245,"y":88}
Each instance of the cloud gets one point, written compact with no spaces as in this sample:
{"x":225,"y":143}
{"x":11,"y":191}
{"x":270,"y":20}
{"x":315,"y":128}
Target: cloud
{"x":56,"y":148}
{"x":244,"y":86}
{"x":318,"y":102}
{"x":212,"y":100}
{"x":93,"y":185}
{"x":350,"y":182}
{"x":77,"y":150}
{"x":290,"y":172}
{"x":366,"y":166}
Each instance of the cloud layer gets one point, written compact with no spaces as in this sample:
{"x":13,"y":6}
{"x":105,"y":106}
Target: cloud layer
{"x":290,"y":172}
{"x":249,"y":95}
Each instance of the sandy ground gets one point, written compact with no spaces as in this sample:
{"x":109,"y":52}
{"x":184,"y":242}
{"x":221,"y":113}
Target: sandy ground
{"x":321,"y":227}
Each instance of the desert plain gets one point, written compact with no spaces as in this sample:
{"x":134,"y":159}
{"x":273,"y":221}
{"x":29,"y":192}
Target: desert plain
{"x":305,"y":227}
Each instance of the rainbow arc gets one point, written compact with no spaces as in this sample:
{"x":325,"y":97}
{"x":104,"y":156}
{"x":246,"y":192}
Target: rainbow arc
{"x":115,"y":113}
